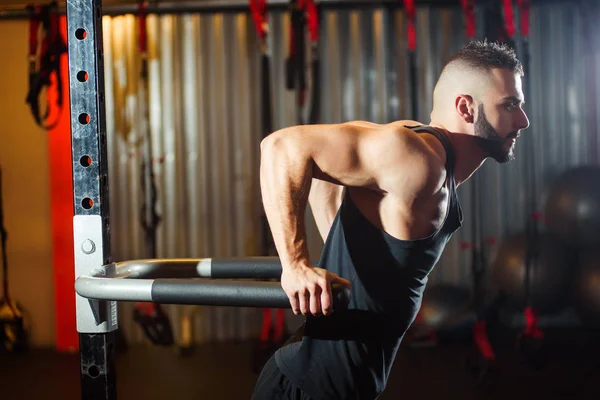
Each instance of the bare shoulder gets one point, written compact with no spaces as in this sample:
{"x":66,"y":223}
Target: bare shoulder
{"x":421,"y":160}
{"x":398,"y":133}
{"x":424,"y":145}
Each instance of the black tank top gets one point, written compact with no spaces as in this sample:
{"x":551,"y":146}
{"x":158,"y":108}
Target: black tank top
{"x":349,"y":354}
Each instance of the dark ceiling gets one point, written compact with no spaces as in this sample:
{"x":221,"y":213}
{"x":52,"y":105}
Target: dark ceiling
{"x":16,"y":7}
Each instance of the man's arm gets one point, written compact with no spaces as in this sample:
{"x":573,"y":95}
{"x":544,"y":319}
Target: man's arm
{"x":325,"y":198}
{"x":382,"y":158}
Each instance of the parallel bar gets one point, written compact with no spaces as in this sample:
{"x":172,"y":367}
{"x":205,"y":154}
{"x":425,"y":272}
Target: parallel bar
{"x":232,"y":294}
{"x":216,"y":268}
{"x":195,"y":291}
{"x":240,"y":268}
{"x":116,"y":289}
{"x":159,"y":268}
{"x":219,"y":268}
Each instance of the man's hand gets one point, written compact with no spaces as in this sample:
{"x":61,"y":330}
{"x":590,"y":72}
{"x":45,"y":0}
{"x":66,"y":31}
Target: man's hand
{"x":309,"y":289}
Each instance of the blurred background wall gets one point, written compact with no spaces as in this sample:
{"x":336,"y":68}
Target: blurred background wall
{"x":204,"y":118}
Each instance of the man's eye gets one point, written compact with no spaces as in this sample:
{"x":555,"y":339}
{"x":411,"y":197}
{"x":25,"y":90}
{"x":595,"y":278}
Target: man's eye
{"x":512,"y":106}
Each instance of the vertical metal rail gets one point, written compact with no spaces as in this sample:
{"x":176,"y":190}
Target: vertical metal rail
{"x":96,"y":320}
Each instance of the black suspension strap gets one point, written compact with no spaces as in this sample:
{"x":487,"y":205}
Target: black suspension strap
{"x":312,"y":16}
{"x":149,"y":217}
{"x":151,"y":317}
{"x":12,"y":329}
{"x":303,"y":13}
{"x":44,"y":60}
{"x":410,"y":11}
{"x":258,"y":9}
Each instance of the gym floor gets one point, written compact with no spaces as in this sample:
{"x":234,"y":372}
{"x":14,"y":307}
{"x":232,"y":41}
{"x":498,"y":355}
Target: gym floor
{"x":571,"y":370}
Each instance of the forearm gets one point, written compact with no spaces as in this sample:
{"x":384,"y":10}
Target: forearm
{"x":285,"y":179}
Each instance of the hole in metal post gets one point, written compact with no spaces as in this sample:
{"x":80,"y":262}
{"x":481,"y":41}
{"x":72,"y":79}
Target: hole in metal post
{"x":84,"y":118}
{"x":80,"y":34}
{"x":94,"y":371}
{"x":87,"y":203}
{"x":82,"y":76}
{"x":85,"y":161}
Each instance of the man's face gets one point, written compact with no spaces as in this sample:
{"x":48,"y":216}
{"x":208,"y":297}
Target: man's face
{"x":500,"y":116}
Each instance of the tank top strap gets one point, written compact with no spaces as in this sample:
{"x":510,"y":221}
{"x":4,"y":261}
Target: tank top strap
{"x":450,"y":156}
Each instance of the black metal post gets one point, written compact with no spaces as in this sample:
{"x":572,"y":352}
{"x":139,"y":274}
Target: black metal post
{"x":90,"y":193}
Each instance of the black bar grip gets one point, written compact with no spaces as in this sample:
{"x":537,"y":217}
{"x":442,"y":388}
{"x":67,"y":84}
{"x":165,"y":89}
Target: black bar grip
{"x":232,"y":293}
{"x":246,"y":268}
{"x":242,"y":268}
{"x":414,"y":84}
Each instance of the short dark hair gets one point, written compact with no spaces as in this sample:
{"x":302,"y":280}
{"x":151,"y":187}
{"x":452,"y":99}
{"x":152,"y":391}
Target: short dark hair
{"x":481,"y":54}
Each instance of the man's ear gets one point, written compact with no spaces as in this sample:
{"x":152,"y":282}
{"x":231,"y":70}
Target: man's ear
{"x":465,"y":107}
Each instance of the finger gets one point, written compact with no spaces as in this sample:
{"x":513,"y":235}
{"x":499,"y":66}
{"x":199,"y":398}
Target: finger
{"x":303,"y":302}
{"x":315,"y":301}
{"x":326,"y":302}
{"x":294,"y":303}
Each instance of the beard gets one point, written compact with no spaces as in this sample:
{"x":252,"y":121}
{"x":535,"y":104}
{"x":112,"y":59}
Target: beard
{"x":491,"y":142}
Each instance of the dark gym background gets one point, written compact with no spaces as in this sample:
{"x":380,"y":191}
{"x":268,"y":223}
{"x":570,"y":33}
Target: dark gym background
{"x":204,"y":118}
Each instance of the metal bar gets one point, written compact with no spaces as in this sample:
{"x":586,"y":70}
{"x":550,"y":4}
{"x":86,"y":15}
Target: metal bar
{"x":117,"y":289}
{"x":157,"y":268}
{"x":216,"y":268}
{"x":240,"y":268}
{"x":195,"y":291}
{"x":96,"y":321}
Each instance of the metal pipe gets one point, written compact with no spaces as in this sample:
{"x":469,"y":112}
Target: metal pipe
{"x":215,"y":268}
{"x":221,"y":268}
{"x":157,"y":268}
{"x":195,"y":291}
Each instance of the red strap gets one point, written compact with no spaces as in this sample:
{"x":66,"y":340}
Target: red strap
{"x":279,"y":325}
{"x":531,"y":324}
{"x":524,"y":7}
{"x":258,"y":8}
{"x":34,"y":24}
{"x":142,"y":33}
{"x":53,"y":17}
{"x":464,"y":245}
{"x":44,"y":47}
{"x":469,"y":13}
{"x":411,"y":14}
{"x":482,"y":342}
{"x":312,"y":19}
{"x":145,"y":308}
{"x":509,"y":18}
{"x":266,"y":325}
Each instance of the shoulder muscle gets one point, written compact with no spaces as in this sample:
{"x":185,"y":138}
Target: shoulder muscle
{"x":419,"y":164}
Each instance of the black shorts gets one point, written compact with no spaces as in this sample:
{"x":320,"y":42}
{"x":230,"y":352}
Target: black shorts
{"x":272,"y":384}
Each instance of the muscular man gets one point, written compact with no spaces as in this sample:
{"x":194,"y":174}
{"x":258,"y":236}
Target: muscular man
{"x":384,"y":200}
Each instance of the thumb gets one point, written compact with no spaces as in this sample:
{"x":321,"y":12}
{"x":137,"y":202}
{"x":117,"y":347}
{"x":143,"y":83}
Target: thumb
{"x":336,"y":279}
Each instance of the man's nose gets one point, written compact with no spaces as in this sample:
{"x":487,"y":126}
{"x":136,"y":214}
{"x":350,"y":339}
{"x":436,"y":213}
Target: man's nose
{"x":523,"y":121}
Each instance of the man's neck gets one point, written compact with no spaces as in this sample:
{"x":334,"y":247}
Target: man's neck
{"x":469,"y":155}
